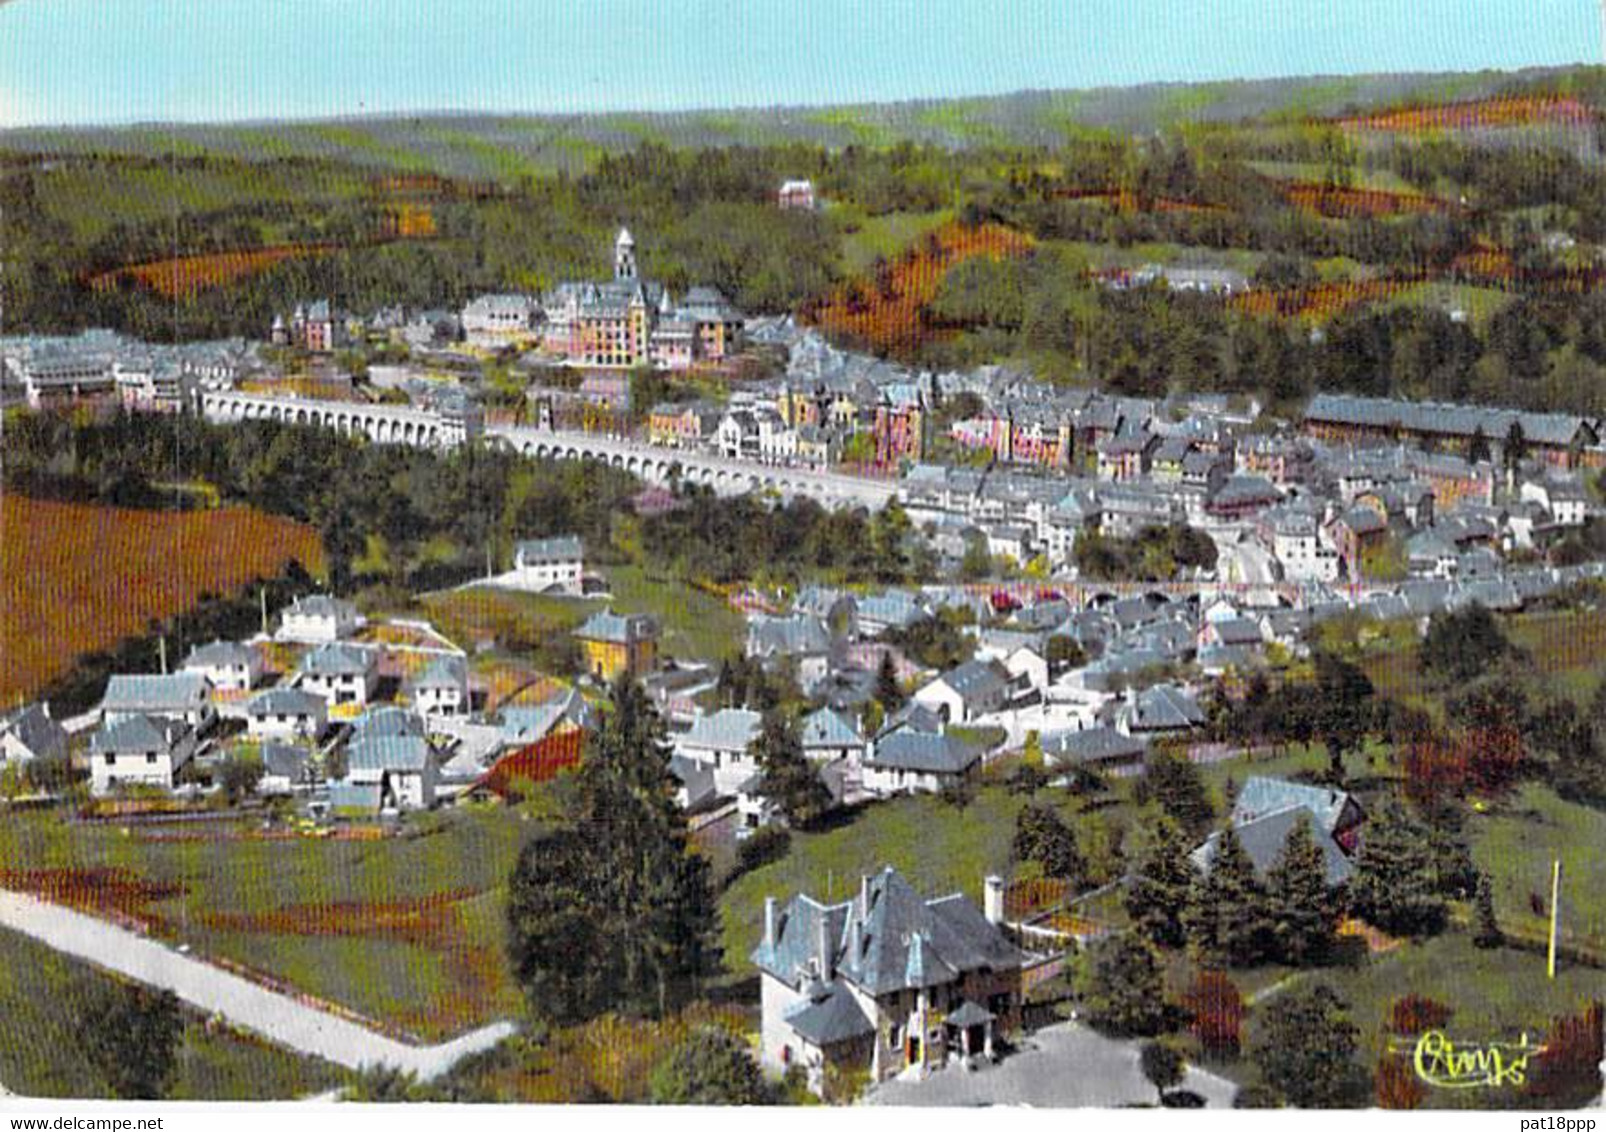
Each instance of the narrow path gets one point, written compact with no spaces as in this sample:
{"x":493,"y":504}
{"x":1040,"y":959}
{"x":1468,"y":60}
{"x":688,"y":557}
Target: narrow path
{"x":277,"y":1017}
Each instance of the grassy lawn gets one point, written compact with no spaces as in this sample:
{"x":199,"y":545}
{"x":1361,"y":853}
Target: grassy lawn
{"x":405,"y":930}
{"x":1480,"y":303}
{"x":41,"y":1052}
{"x":1496,"y":995}
{"x":695,"y":624}
{"x":887,"y":236}
{"x":486,"y":613}
{"x":1516,"y":842}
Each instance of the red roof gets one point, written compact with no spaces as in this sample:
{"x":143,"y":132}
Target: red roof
{"x":537,"y":762}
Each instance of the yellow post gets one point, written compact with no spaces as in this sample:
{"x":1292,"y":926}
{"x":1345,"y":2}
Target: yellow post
{"x":1555,"y":913}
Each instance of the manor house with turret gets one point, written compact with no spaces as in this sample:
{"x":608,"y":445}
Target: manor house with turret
{"x":629,"y":321}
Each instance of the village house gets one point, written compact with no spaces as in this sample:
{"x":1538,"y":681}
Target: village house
{"x":497,"y":320}
{"x":341,"y":673}
{"x":227,"y":665}
{"x":960,"y":695}
{"x":139,"y":750}
{"x":722,"y":742}
{"x":1101,"y":749}
{"x":796,"y":194}
{"x":910,"y":760}
{"x":1336,"y":812}
{"x":28,"y":733}
{"x":286,"y":769}
{"x":613,"y":643}
{"x":1124,"y":458}
{"x":684,"y":425}
{"x":550,"y":565}
{"x":827,"y":737}
{"x":318,"y":618}
{"x":885,"y":982}
{"x":1557,"y":439}
{"x":562,"y":713}
{"x":316,"y":327}
{"x":1355,"y":534}
{"x":1157,"y":712}
{"x":286,"y":714}
{"x":183,"y":696}
{"x":442,"y":688}
{"x":389,"y":752}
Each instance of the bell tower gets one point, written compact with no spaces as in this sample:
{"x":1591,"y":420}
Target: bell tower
{"x":624,"y":255}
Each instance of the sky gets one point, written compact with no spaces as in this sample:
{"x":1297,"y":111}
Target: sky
{"x":75,"y":62}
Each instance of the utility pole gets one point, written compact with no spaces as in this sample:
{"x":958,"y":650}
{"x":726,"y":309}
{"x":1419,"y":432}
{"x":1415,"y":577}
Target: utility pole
{"x":161,"y":650}
{"x":262,"y":600}
{"x":1555,"y":914}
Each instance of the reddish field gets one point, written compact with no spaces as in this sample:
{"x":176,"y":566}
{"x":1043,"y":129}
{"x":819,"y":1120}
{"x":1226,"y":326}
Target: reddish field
{"x":887,"y":308}
{"x":185,"y":275}
{"x":1325,"y":200}
{"x":75,"y":578}
{"x":1482,"y":114}
{"x":1321,"y":302}
{"x":1122,"y":200}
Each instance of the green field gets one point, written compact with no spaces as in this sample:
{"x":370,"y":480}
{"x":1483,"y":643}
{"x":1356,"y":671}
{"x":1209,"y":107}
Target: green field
{"x":41,"y":1052}
{"x":886,"y":236}
{"x":406,"y":930}
{"x":1515,"y":843}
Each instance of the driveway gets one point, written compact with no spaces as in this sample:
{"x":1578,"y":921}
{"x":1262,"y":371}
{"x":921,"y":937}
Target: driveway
{"x":1060,"y":1066}
{"x":278,"y":1017}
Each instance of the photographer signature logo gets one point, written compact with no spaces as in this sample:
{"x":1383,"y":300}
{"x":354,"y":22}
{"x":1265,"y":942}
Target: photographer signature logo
{"x":1446,"y":1064}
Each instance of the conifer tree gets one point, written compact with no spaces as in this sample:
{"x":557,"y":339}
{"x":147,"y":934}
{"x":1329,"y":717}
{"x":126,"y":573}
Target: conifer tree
{"x":790,"y":781}
{"x":1042,"y":836}
{"x":1395,"y":884}
{"x":612,"y":911}
{"x":1489,"y":934}
{"x":1302,"y":910}
{"x":1157,"y":895}
{"x":888,"y":692}
{"x":1225,"y":916}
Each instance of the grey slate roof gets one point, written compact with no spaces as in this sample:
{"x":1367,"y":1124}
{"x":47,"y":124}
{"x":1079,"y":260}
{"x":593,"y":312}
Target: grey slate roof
{"x":825,"y":728}
{"x":729,"y":729}
{"x":388,"y":752}
{"x":607,"y":626}
{"x":1164,"y":708}
{"x":179,"y":692}
{"x":445,"y":672}
{"x":336,"y":658}
{"x":922,"y":752}
{"x":886,"y":940}
{"x":831,"y":1017}
{"x":1457,"y":420}
{"x":975,"y":679}
{"x":137,"y":734}
{"x":34,"y":729}
{"x":1093,"y":745}
{"x":284,"y":701}
{"x":220,"y":654}
{"x":1263,"y":795}
{"x":1264,"y":837}
{"x":285,"y":761}
{"x":564,"y":548}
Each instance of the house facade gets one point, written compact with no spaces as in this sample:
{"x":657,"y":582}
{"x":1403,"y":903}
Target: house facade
{"x":139,"y":750}
{"x":886,"y":982}
{"x":550,"y":565}
{"x":615,"y":643}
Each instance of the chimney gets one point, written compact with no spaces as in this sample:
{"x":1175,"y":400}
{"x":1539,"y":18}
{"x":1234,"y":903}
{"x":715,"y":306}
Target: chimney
{"x":864,"y":896}
{"x":824,"y":943}
{"x":993,"y":898}
{"x":769,"y":921}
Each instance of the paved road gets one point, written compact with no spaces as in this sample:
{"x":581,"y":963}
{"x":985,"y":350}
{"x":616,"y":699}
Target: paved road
{"x":1061,"y":1066}
{"x":277,"y":1017}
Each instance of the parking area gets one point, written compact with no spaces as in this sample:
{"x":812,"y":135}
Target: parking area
{"x":1061,"y":1066}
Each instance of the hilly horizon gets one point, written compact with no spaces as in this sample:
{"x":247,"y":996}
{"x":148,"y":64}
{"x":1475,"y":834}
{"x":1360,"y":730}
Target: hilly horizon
{"x":506,"y":146}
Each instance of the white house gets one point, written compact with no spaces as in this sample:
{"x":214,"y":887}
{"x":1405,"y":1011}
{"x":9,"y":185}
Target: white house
{"x":286,"y":713}
{"x":827,"y":737}
{"x":721,"y":741}
{"x":227,"y":665}
{"x":491,"y":320}
{"x":317,"y":619}
{"x":139,"y":750}
{"x":29,"y":733}
{"x":341,"y":673}
{"x":442,"y":688}
{"x":550,"y":565}
{"x":285,"y":769}
{"x":975,"y":688}
{"x":909,"y":761}
{"x":389,"y":750}
{"x":182,"y":696}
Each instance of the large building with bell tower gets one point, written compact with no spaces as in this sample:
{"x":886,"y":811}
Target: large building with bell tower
{"x":629,"y":321}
